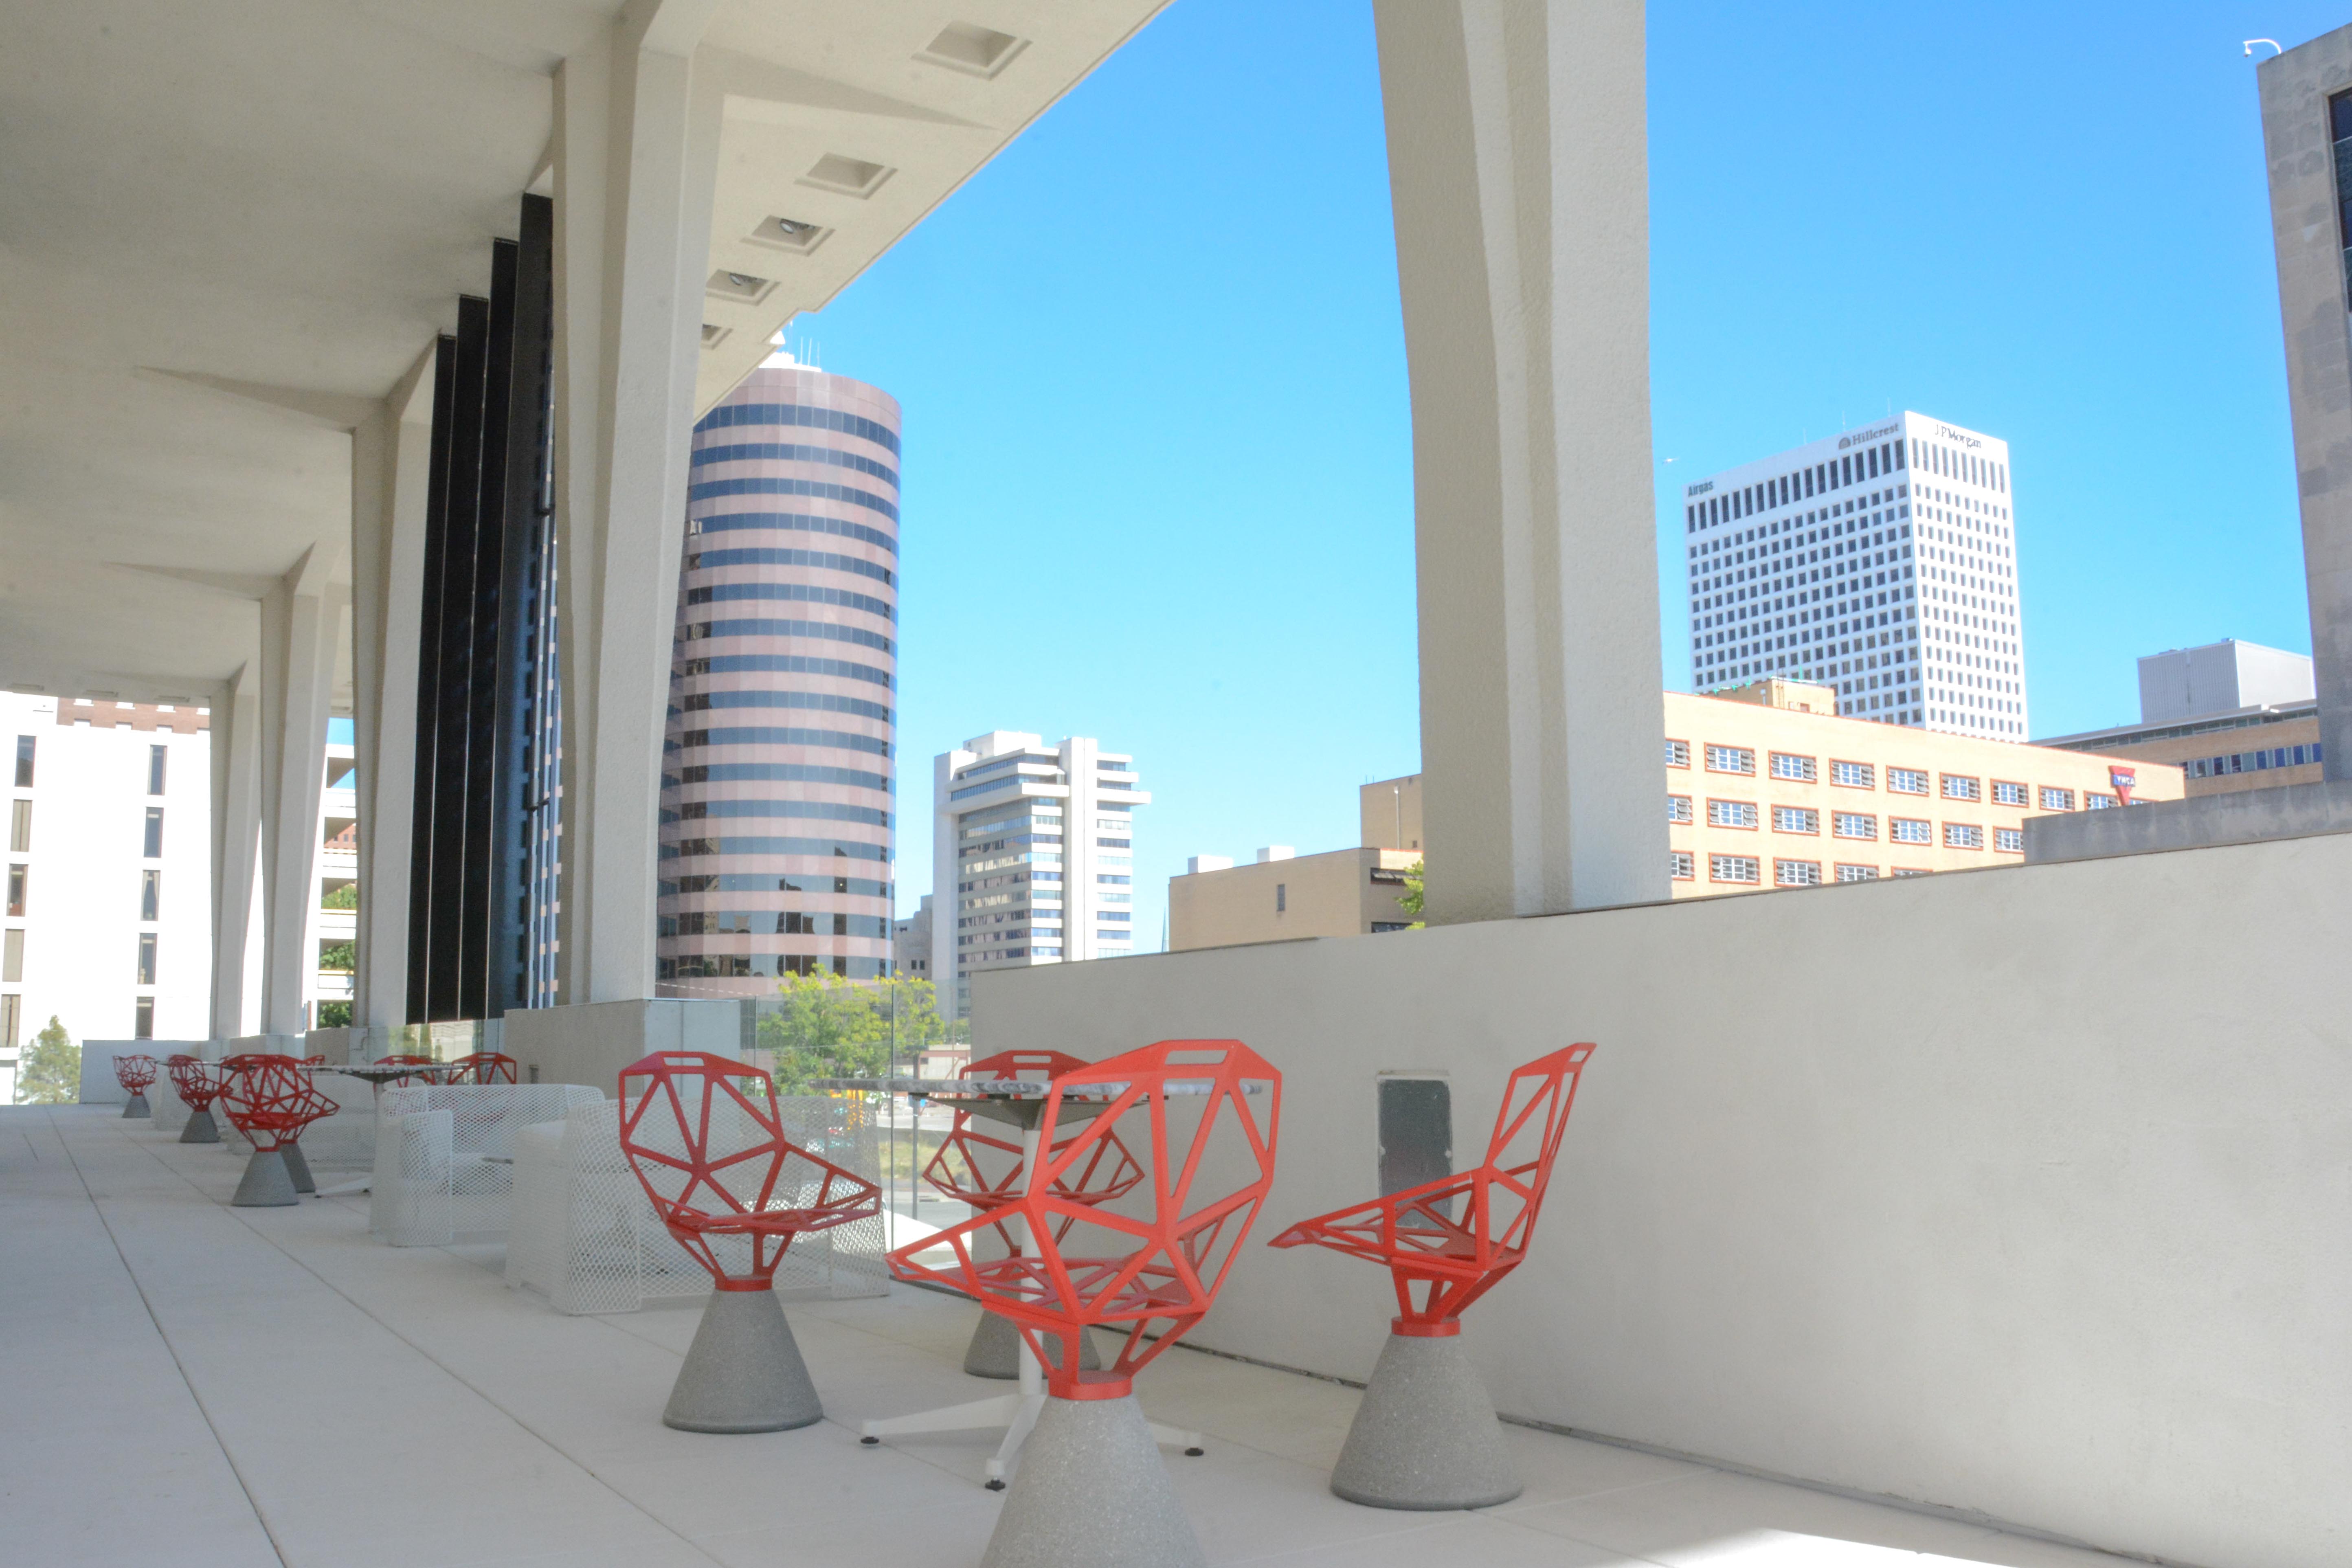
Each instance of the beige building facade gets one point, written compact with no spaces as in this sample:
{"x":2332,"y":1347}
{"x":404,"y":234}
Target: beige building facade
{"x":1347,"y":892}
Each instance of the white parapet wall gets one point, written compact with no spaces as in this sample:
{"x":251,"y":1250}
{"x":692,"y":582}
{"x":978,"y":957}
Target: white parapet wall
{"x":2021,"y":1192}
{"x":592,"y":1043}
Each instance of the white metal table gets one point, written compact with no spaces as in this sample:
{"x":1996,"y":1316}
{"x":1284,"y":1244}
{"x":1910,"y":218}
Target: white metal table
{"x":377,"y":1074}
{"x":1020,"y":1102}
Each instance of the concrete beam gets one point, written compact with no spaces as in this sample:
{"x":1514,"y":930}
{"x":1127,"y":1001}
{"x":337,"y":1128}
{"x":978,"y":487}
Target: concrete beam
{"x":236,"y":841}
{"x":1517,"y":162}
{"x":301,"y":624}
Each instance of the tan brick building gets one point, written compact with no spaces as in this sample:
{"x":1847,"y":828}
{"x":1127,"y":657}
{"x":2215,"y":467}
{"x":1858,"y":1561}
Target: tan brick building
{"x":1347,"y":892}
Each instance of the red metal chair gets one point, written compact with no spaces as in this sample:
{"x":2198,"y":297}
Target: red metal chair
{"x":134,"y":1073}
{"x":406,"y":1061}
{"x":483,"y":1066}
{"x":270,"y":1100}
{"x":1167,"y":1273}
{"x":198,"y":1084}
{"x":1425,"y":1436}
{"x":702,"y":1133}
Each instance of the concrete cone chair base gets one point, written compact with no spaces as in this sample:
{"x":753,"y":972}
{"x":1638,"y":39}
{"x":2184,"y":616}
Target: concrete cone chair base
{"x":299,"y":1169}
{"x":1425,"y":1437}
{"x":266,"y":1185}
{"x":1090,"y":1492}
{"x":135,"y":1108}
{"x":743,"y":1373}
{"x":200,"y":1129}
{"x":995,"y":1349}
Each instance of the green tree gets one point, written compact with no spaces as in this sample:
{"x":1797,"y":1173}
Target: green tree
{"x":342,"y":955}
{"x":1410,"y":900}
{"x":346,"y":896}
{"x":50,"y":1072}
{"x":334,"y":1015}
{"x":828,"y":1026}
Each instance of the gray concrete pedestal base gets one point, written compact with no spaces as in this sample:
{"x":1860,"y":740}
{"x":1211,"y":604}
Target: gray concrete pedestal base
{"x":299,"y":1169}
{"x":1092,"y":1493}
{"x":1425,"y":1437}
{"x":995,"y":1349}
{"x":135,"y":1108}
{"x":743,"y":1373}
{"x":200,"y":1129}
{"x":266,"y":1185}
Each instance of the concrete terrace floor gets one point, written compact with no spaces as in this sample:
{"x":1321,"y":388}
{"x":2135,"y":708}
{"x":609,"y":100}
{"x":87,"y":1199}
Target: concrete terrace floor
{"x":191,"y":1385}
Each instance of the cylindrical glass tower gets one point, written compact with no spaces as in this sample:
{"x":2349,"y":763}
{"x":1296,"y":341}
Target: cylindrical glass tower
{"x":777,"y":772}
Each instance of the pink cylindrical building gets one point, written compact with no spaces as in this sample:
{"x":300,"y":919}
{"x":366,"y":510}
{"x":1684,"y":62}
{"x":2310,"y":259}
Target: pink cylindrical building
{"x":777,"y":774}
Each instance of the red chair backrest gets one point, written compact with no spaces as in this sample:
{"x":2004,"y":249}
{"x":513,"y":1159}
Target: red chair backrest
{"x":982,"y":1167}
{"x":484,"y":1067}
{"x":405,"y":1061}
{"x":270,"y":1099}
{"x":198,"y":1083}
{"x":704,"y":1136}
{"x":1158,"y":1272}
{"x":134,"y":1073}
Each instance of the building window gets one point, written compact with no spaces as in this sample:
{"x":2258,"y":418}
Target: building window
{"x":12,"y":956}
{"x":1732,"y":867}
{"x":1796,"y":873}
{"x":1281,"y":897}
{"x":9,"y":1012}
{"x":16,"y":876}
{"x":1857,"y":873}
{"x":2093,"y":801}
{"x":1731,"y":814}
{"x":156,"y":755}
{"x":1856,"y":824}
{"x":1677,"y":754}
{"x":1796,"y":820}
{"x":1911,"y":830}
{"x":1956,"y":787}
{"x":1854,"y":775}
{"x":1963,"y":836}
{"x":20,"y":827}
{"x":1679,"y":865}
{"x":1799,"y":770}
{"x":146,"y":958}
{"x":150,"y":894}
{"x":2057,"y":799}
{"x":143,"y":1012}
{"x":25,"y":762}
{"x":154,"y":832}
{"x":1678,"y":808}
{"x":1907,"y":781}
{"x":2008,"y":840}
{"x":1909,"y":871}
{"x":2010,"y":793}
{"x":1730,"y":760}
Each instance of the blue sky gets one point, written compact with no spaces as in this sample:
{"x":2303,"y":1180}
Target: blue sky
{"x":1158,"y":452}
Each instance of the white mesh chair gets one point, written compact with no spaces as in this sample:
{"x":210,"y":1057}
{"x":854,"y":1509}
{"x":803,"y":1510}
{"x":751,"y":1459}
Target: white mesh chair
{"x":344,"y":1141}
{"x":586,"y":1239}
{"x":444,"y":1156}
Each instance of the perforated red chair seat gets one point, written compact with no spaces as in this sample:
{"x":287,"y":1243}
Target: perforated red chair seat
{"x":986,"y":1171}
{"x":135,"y":1073}
{"x":484,"y":1067}
{"x":198,"y":1083}
{"x":270,"y":1100}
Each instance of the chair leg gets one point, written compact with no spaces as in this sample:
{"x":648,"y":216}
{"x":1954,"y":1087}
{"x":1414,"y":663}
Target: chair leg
{"x":743,"y":1373}
{"x":299,"y":1169}
{"x":995,"y":1349}
{"x":200,"y":1129}
{"x":1425,"y":1436}
{"x":1092,"y":1489}
{"x":135,"y":1108}
{"x":266,"y":1185}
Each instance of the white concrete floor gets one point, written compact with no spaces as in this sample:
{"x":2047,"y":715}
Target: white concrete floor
{"x":192,"y":1385}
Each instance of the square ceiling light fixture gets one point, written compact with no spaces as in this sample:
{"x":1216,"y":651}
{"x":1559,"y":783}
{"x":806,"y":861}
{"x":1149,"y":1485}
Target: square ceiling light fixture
{"x":712,"y":336}
{"x":850,"y":176}
{"x":973,"y":49}
{"x":789,"y":234}
{"x":742,"y":288}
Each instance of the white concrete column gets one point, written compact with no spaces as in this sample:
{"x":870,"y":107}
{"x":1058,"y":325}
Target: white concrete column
{"x":636,"y":138}
{"x":1517,"y":162}
{"x":390,"y":459}
{"x":301,"y":624}
{"x":236,"y":745}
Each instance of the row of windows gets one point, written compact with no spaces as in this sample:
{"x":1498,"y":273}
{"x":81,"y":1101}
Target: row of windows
{"x":806,"y":417}
{"x":701,"y":701}
{"x":840,"y":851}
{"x":764,"y":966}
{"x":822,"y":810}
{"x":702,"y":630}
{"x":815,"y":489}
{"x":1804,"y":819}
{"x":769,"y":882}
{"x":805,"y":523}
{"x":772,"y":922}
{"x":710,"y":560}
{"x":1821,"y":479}
{"x":1748,"y":870}
{"x":1799,"y":768}
{"x":799,"y":593}
{"x":778,"y":735}
{"x":2253,"y":761}
{"x":20,"y":887}
{"x":784,"y":664}
{"x":780,"y":452}
{"x":780,"y":773}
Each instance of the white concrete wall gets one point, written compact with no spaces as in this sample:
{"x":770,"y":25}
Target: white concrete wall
{"x":2037,"y":1208}
{"x":592,"y":1042}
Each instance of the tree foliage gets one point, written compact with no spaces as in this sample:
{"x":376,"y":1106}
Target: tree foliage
{"x":828,"y":1026}
{"x":334,"y":1015}
{"x":346,"y":896}
{"x":1410,"y":900}
{"x":49,"y":1071}
{"x":339,"y":955}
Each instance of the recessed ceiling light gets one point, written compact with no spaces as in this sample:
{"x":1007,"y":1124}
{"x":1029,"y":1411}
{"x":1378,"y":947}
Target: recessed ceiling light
{"x":972,"y":48}
{"x":795,"y":234}
{"x":850,"y":176}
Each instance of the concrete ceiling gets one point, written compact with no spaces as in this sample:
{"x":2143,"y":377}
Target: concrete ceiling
{"x":224,"y":223}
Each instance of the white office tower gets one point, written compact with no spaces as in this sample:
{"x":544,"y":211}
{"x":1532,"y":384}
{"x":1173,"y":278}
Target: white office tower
{"x":1037,"y":843}
{"x":1881,"y":562}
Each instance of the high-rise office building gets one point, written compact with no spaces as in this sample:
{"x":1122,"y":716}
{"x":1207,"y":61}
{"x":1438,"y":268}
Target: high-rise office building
{"x":1037,"y":844}
{"x":777,"y":772}
{"x":1881,"y":562}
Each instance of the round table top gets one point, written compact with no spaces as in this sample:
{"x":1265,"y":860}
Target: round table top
{"x":1019,"y":1101}
{"x":384,"y":1072}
